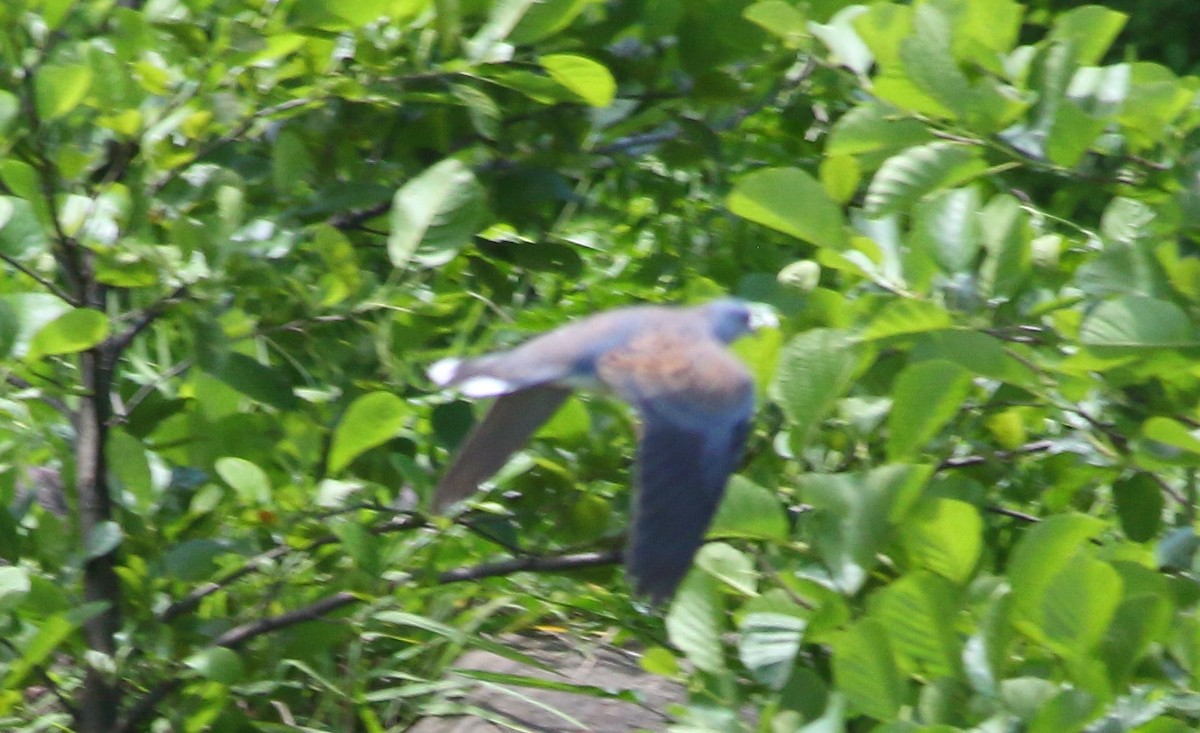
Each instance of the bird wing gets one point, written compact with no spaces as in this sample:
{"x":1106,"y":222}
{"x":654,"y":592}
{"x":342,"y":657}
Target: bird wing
{"x":504,"y":430}
{"x":695,"y":400}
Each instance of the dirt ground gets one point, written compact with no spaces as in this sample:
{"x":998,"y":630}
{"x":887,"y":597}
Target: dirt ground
{"x":507,"y":707}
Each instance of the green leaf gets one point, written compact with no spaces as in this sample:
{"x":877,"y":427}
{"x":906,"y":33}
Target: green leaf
{"x":127,"y":460}
{"x":749,"y":510}
{"x":370,"y":421}
{"x":262,"y":383}
{"x":814,"y":370}
{"x":780,"y":19}
{"x":544,"y":19}
{"x":247,"y":479}
{"x":840,"y":176}
{"x":1139,"y":501}
{"x":945,"y":536}
{"x":217,"y":664}
{"x":916,"y":611}
{"x":855,"y":514}
{"x":1135,"y":323}
{"x":874,"y":131}
{"x":334,"y":15}
{"x":980,"y":353}
{"x":1039,"y":557}
{"x":659,"y":661}
{"x":361,"y":545}
{"x":79,"y":329}
{"x":925,"y":397}
{"x":728,"y":565}
{"x":1079,"y":604}
{"x":58,"y":89}
{"x":1072,"y":133}
{"x":20,"y":230}
{"x":193,"y":560}
{"x":883,"y":27}
{"x":768,"y":645}
{"x":589,"y":79}
{"x":9,"y":107}
{"x":1008,"y":238}
{"x":947,"y":224}
{"x":1089,"y":30}
{"x":848,"y":49}
{"x":49,"y":634}
{"x":435,"y":215}
{"x":1069,"y":710}
{"x":907,"y":316}
{"x":14,"y":586}
{"x":10,"y":329}
{"x":1171,"y":433}
{"x":102,"y":539}
{"x":791,"y":201}
{"x":864,"y":668}
{"x":918,"y":171}
{"x":694,"y":622}
{"x":928,"y":61}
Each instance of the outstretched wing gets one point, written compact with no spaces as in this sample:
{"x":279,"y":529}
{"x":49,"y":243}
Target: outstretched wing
{"x":504,"y":430}
{"x":695,"y":400}
{"x":682,"y":476}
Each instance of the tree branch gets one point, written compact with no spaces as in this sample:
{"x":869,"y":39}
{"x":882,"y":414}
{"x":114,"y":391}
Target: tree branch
{"x":1039,"y":446}
{"x":48,"y":285}
{"x":121,"y":341}
{"x":50,"y":400}
{"x":540,"y":563}
{"x":320,"y":608}
{"x":1003,"y":511}
{"x":229,"y":137}
{"x":188,"y":603}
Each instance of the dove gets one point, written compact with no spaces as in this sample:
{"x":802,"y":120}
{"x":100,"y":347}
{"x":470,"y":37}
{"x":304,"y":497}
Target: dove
{"x":694,"y":399}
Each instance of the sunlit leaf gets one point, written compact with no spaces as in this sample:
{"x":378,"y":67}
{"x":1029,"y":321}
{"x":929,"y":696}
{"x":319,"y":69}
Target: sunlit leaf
{"x":76,"y":330}
{"x":435,"y":215}
{"x":791,"y":201}
{"x":590,"y":79}
{"x":371,"y":420}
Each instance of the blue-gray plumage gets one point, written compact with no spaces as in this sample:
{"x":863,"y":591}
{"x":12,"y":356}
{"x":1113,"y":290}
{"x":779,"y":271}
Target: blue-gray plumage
{"x":694,"y":398}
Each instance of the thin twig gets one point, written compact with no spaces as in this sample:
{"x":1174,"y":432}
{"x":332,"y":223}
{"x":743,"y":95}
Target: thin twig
{"x":121,"y":341}
{"x":47,"y":680}
{"x":1170,"y":491}
{"x":189,"y":602}
{"x":50,"y":400}
{"x":540,"y":563}
{"x":1012,"y":513}
{"x":321,"y":608}
{"x":799,"y":600}
{"x":145,"y":390}
{"x":1039,"y":446}
{"x":231,"y":136}
{"x":48,"y":285}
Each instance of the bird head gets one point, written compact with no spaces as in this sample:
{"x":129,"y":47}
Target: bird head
{"x":732,"y":318}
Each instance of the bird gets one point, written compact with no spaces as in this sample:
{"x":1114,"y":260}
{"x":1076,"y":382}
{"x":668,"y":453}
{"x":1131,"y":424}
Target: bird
{"x":694,"y":399}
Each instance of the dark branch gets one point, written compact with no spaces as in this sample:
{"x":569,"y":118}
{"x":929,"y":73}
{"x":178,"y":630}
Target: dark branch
{"x":242,"y":128}
{"x":188,"y":603}
{"x":239,"y":635}
{"x":1013,"y":513}
{"x":52,"y":401}
{"x":121,"y":341}
{"x":537,"y":563}
{"x":57,"y":291}
{"x":1039,"y":446}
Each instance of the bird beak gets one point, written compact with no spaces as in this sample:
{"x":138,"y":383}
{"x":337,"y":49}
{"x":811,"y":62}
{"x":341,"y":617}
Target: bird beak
{"x":763,"y":316}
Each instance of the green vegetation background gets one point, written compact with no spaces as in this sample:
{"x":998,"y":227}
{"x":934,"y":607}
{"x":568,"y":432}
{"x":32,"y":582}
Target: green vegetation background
{"x":233,"y":234}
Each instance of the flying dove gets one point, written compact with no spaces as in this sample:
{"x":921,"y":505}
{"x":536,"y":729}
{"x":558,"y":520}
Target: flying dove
{"x":694,"y":398}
